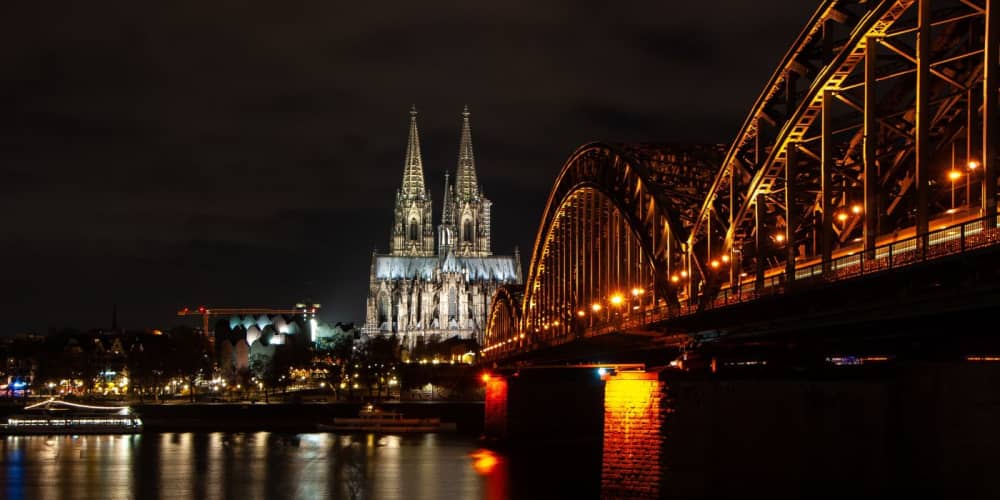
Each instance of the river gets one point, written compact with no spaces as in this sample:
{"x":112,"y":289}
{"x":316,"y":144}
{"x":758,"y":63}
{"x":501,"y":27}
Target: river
{"x":272,"y":465}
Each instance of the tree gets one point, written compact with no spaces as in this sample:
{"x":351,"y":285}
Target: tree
{"x":188,"y":356}
{"x":262,"y":362}
{"x":145,"y":363}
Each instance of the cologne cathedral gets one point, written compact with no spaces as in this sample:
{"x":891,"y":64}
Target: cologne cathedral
{"x":418,"y":289}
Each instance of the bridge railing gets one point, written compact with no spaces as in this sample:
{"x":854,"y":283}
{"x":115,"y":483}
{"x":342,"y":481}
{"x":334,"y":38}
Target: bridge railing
{"x":950,"y":240}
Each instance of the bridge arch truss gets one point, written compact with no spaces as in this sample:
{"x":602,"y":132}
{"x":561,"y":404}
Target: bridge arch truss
{"x":879,"y":126}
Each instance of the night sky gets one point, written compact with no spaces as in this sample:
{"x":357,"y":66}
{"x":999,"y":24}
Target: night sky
{"x":157,"y":155}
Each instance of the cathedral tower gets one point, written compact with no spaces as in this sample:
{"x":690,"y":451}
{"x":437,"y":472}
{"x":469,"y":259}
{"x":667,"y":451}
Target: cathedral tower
{"x":469,"y":210}
{"x":412,"y":229}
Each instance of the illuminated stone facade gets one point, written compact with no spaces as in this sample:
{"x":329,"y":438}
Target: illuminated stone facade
{"x":419,"y":290}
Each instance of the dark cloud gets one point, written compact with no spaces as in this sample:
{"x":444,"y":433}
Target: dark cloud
{"x":248,"y":153}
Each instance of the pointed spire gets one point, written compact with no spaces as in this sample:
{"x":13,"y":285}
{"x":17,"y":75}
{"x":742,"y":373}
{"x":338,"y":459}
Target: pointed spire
{"x":517,"y":264}
{"x":447,"y":214}
{"x":466,"y":184}
{"x":413,"y":172}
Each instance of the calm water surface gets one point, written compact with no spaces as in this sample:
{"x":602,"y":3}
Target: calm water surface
{"x":258,"y":465}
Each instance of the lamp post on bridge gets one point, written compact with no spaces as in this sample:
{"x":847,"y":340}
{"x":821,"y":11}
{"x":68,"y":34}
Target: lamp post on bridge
{"x":616,"y":300}
{"x":595,"y":309}
{"x":637,"y":295}
{"x":953,"y":175}
{"x":972,"y":165}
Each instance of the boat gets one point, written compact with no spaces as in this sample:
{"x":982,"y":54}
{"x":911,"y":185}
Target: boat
{"x":374,"y":419}
{"x":54,"y":416}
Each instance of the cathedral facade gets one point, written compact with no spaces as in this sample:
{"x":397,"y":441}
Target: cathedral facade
{"x":420,"y":289}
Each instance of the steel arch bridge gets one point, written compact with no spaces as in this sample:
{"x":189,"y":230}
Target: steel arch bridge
{"x":872,"y":146}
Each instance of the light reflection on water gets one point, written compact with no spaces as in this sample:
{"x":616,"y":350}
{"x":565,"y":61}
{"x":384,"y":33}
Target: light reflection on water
{"x":249,"y":465}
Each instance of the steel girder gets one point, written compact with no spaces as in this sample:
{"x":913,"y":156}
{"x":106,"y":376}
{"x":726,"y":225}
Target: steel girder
{"x":886,"y":89}
{"x":503,"y":328}
{"x":637,"y":201}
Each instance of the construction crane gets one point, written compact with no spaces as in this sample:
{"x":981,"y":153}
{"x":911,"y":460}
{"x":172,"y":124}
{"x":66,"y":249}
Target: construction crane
{"x":307,"y":310}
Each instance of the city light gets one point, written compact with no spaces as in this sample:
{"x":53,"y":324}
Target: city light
{"x":602,"y":372}
{"x":954,"y":175}
{"x":973,"y":165}
{"x":856,"y":209}
{"x":581,"y":313}
{"x":595,"y":307}
{"x":714,"y":264}
{"x":779,"y":237}
{"x":674,"y":278}
{"x":842,"y":216}
{"x":637,"y":292}
{"x":617,"y":299}
{"x":725,"y":259}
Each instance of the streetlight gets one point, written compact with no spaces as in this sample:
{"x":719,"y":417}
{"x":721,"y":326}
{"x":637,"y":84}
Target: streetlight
{"x":953,"y":175}
{"x":616,"y":300}
{"x":973,"y":165}
{"x":637,"y":294}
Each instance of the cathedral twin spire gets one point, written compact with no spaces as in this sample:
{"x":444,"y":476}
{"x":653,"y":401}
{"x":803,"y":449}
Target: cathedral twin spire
{"x":413,"y":230}
{"x":413,"y":171}
{"x":465,"y":215}
{"x":466,"y":185}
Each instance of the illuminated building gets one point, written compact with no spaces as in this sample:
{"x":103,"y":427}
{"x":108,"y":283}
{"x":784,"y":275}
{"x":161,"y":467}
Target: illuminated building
{"x":419,"y":290}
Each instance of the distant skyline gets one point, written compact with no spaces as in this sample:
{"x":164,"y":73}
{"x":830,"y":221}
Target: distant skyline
{"x":224,"y":154}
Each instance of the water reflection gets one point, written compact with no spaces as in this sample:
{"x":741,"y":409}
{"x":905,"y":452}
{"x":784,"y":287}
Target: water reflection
{"x":252,"y":466}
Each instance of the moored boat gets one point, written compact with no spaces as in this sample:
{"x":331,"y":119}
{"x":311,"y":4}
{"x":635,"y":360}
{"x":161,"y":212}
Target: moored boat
{"x":372,"y":419}
{"x":63,"y":417}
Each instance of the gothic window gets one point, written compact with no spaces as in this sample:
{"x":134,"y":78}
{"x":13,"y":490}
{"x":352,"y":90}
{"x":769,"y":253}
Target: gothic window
{"x":467,"y":231}
{"x":397,"y":300}
{"x":383,"y":309}
{"x":452,"y":303}
{"x":418,"y":306}
{"x":414,"y":229}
